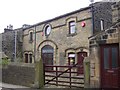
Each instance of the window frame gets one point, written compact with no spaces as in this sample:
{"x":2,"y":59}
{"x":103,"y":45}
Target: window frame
{"x":26,"y":57}
{"x":46,"y":28}
{"x":72,"y":26}
{"x":71,"y":60}
{"x":102,"y":24}
{"x":30,"y":36}
{"x":30,"y":58}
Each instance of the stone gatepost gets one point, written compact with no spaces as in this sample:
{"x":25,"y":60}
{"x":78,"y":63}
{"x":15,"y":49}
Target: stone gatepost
{"x":39,"y":74}
{"x":86,"y":72}
{"x":95,"y":67}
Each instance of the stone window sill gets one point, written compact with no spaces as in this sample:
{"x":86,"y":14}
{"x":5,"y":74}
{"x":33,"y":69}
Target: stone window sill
{"x":30,"y":41}
{"x":71,"y":35}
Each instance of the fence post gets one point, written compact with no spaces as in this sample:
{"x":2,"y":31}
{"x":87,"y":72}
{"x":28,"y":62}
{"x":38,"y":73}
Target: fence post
{"x":39,"y":74}
{"x":70,"y":76}
{"x":56,"y":75}
{"x":86,"y":72}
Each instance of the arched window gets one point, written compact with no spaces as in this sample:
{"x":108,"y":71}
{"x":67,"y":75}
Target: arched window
{"x":30,"y":58}
{"x":26,"y":58}
{"x":47,"y":49}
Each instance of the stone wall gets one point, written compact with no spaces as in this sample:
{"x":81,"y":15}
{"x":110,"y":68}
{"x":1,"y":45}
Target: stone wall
{"x":116,"y":12}
{"x":94,"y":66}
{"x":19,"y":74}
{"x":8,"y":43}
{"x":102,"y":10}
{"x":19,"y":44}
{"x":0,"y":44}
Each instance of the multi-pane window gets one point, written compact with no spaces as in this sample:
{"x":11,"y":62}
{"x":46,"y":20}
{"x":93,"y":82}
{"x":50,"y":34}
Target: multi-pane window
{"x":72,"y":26}
{"x":31,"y":36}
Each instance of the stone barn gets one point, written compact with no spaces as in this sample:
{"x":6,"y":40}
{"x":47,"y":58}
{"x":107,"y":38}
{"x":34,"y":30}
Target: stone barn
{"x":63,"y":40}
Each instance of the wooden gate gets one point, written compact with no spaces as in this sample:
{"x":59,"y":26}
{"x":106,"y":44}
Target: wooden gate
{"x":64,"y":76}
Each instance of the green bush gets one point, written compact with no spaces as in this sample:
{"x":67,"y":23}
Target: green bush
{"x":4,"y":61}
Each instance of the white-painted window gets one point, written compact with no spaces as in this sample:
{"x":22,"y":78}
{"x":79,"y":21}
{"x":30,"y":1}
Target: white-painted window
{"x":102,"y":24}
{"x":72,"y":26}
{"x":71,"y":58}
{"x":47,"y":30}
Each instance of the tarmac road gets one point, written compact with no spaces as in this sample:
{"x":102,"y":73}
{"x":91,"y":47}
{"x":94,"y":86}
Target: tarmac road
{"x":5,"y":86}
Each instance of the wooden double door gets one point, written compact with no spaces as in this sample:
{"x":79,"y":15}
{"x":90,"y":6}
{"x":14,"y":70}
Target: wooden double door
{"x":110,"y":66}
{"x":47,"y":56}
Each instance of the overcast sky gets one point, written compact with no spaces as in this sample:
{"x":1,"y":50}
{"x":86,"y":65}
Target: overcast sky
{"x":19,"y":12}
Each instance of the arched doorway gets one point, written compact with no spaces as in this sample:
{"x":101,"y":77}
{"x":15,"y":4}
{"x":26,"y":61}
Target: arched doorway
{"x":47,"y":55}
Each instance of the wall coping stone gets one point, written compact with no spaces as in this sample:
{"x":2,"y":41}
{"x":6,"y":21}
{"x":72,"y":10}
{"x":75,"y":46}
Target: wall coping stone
{"x":22,"y":64}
